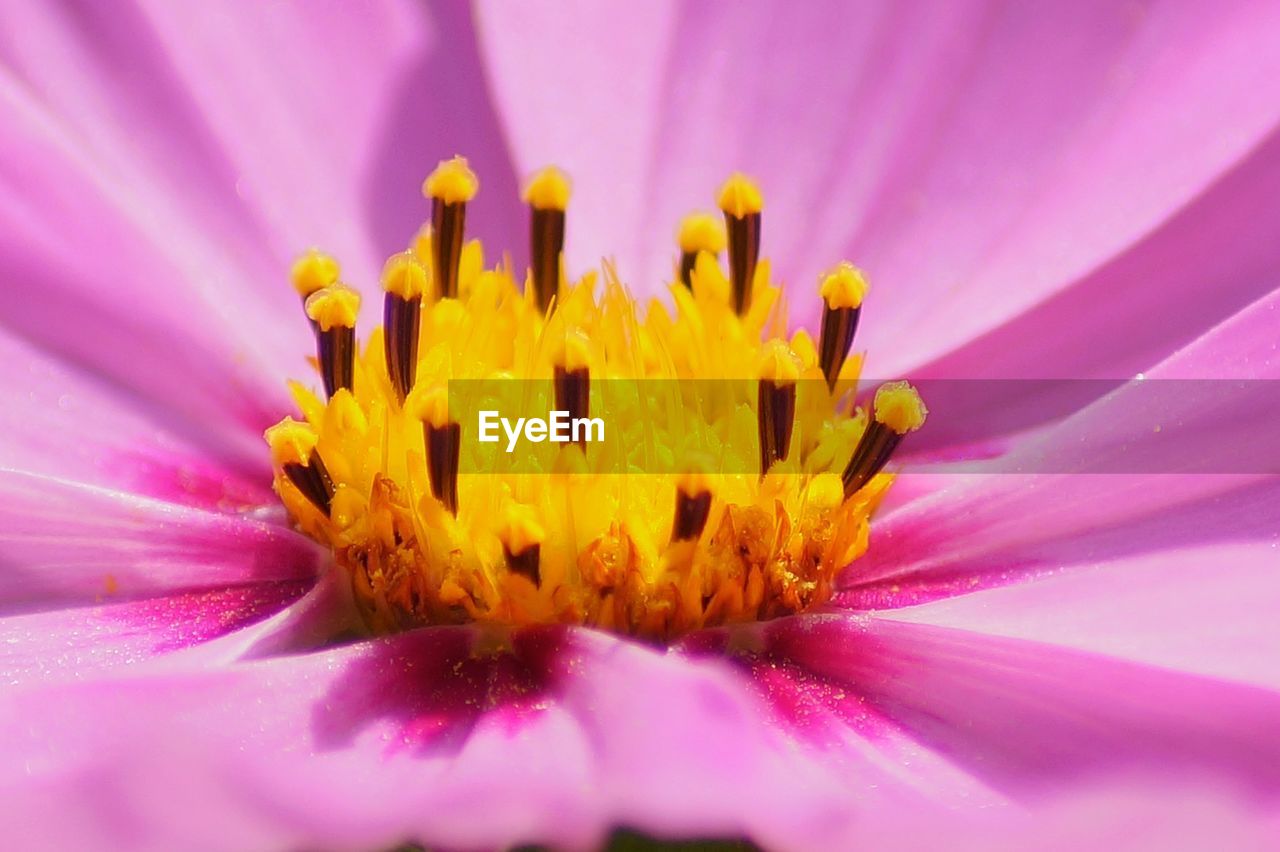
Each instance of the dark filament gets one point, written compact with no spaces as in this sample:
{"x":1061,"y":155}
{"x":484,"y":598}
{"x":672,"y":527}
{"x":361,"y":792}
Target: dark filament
{"x":744,"y":252}
{"x":312,"y":479}
{"x":443,"y":444}
{"x":526,"y":562}
{"x":691,"y":515}
{"x":547,"y":244}
{"x":838,"y":328}
{"x":775,"y":416}
{"x":870,"y":456}
{"x":336,"y":351}
{"x":401,"y":319}
{"x":573,"y":394}
{"x":688,"y":260}
{"x":448,"y":224}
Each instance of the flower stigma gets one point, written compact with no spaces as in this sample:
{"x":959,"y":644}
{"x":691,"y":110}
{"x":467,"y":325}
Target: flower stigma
{"x":679,"y":514}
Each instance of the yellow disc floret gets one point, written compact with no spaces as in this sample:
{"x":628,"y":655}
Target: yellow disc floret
{"x":727,"y":482}
{"x":452,"y":182}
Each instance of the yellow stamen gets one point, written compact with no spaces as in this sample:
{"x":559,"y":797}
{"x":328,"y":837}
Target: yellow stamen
{"x":741,"y":201}
{"x":842,"y":291}
{"x":548,"y":196}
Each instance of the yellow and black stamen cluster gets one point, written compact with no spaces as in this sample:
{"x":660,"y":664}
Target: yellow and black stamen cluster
{"x":751,"y":516}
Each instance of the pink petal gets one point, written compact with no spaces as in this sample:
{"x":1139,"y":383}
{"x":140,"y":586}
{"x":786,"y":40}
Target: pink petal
{"x":1210,"y":260}
{"x":355,"y":136}
{"x":60,"y":421}
{"x":989,"y":524}
{"x":66,"y":542}
{"x":79,"y":643}
{"x":952,"y":180}
{"x":1206,"y":263}
{"x":416,"y":737}
{"x":1028,"y":717}
{"x":127,"y":137}
{"x":1208,"y":609}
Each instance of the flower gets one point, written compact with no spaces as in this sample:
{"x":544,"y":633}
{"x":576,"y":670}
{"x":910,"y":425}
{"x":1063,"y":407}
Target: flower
{"x":1038,"y":193}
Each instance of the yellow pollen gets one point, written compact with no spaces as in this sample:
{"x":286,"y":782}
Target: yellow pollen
{"x":717,"y":493}
{"x":452,"y":182}
{"x":844,"y":287}
{"x":740,"y":196}
{"x":313,"y":271}
{"x":898,"y":406}
{"x":334,"y":307}
{"x":548,"y":190}
{"x":701,"y":232}
{"x":404,"y":275}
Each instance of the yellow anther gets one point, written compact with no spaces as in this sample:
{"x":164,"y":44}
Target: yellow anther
{"x":431,"y":407}
{"x":740,"y":196}
{"x":291,"y":442}
{"x":548,"y":190}
{"x":844,"y":287}
{"x":575,"y":354}
{"x":779,"y":364}
{"x":405,"y":276}
{"x":521,"y":529}
{"x":313,"y":271}
{"x":898,"y":406}
{"x":334,"y":307}
{"x":452,"y":182}
{"x":701,"y":232}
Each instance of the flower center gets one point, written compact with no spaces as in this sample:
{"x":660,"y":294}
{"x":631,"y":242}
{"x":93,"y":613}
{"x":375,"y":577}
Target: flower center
{"x":731,"y":476}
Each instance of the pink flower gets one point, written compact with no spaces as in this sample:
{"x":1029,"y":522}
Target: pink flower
{"x":1038,"y":192}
